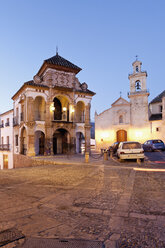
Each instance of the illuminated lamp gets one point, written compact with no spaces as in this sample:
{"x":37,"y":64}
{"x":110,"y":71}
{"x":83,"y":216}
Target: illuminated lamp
{"x":52,"y":108}
{"x":64,"y":108}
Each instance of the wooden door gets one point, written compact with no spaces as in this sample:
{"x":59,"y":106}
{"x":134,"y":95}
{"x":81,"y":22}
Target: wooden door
{"x":121,"y":135}
{"x":5,"y":161}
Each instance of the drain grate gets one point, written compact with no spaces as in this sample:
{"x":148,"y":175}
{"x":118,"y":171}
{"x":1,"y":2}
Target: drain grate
{"x":58,"y":243}
{"x":10,"y":235}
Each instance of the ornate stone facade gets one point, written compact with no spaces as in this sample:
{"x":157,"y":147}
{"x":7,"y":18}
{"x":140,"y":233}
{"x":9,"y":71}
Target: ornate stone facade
{"x":52,"y":112}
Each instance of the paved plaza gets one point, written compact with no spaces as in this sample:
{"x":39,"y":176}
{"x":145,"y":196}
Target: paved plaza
{"x":120,"y":204}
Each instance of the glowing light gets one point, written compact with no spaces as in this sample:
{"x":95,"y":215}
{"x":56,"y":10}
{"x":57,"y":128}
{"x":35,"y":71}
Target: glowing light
{"x":64,"y":108}
{"x":138,"y":134}
{"x":147,"y":169}
{"x":72,"y":110}
{"x":52,"y":108}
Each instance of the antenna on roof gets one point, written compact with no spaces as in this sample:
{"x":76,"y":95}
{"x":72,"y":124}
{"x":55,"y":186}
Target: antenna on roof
{"x":120,"y":93}
{"x":56,"y":50}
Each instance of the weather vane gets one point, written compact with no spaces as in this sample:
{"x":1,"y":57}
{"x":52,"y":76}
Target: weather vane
{"x":56,"y":50}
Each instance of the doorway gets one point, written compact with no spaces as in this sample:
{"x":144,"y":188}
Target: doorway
{"x":61,"y":141}
{"x":39,"y":143}
{"x":121,"y":135}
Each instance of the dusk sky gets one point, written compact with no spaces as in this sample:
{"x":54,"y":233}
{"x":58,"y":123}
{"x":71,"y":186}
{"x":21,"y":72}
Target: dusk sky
{"x":100,"y":36}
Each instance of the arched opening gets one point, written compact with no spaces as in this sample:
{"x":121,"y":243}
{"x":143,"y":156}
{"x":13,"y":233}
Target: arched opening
{"x":61,"y":141}
{"x":39,"y":109}
{"x":137,"y":85}
{"x":120,"y":119}
{"x":58,"y":109}
{"x":80,"y":141}
{"x":80,"y":112}
{"x":121,"y":135}
{"x":23,"y":142}
{"x":61,"y":108}
{"x":39,"y":143}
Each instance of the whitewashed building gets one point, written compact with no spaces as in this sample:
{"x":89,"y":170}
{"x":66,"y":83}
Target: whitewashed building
{"x":132,"y":119}
{"x":6,"y":140}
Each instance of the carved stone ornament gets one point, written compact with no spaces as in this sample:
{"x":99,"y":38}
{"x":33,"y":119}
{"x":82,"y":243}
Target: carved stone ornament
{"x":37,"y":79}
{"x":84,"y":86}
{"x":30,"y":124}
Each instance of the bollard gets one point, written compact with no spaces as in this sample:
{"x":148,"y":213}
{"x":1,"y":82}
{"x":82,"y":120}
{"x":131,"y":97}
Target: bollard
{"x":111,"y":154}
{"x":87,"y":157}
{"x":105,"y":155}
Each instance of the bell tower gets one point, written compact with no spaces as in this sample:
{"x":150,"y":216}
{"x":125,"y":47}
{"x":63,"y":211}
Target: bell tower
{"x":138,"y":95}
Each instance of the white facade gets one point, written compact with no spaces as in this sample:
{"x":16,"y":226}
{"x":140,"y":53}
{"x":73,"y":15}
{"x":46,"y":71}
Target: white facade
{"x":131,"y":120}
{"x":6,"y":143}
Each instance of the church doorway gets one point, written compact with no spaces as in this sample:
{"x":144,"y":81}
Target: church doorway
{"x":39,"y":143}
{"x":121,"y":135}
{"x":61,"y":141}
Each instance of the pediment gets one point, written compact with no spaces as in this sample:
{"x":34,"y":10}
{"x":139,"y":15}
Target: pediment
{"x":120,"y":101}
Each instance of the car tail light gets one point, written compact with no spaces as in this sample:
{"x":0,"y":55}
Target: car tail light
{"x":122,"y":152}
{"x":142,"y":152}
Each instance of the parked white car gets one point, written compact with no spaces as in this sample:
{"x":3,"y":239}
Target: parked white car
{"x":130,"y":150}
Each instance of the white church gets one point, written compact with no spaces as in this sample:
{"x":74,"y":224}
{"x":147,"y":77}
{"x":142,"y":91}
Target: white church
{"x":133,"y":119}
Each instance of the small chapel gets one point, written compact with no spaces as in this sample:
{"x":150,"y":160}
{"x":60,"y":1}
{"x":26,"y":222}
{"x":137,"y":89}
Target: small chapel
{"x":133,"y":119}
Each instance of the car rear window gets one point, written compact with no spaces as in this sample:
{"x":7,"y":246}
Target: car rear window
{"x":157,"y":141}
{"x":133,"y":145}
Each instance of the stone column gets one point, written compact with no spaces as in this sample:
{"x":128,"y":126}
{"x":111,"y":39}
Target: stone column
{"x":30,"y":109}
{"x":48,"y":129}
{"x":87,"y":128}
{"x":30,"y":127}
{"x":163,"y":108}
{"x":30,"y":145}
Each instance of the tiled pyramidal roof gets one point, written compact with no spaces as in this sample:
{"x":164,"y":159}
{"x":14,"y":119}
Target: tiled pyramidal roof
{"x":158,"y":98}
{"x":60,"y":61}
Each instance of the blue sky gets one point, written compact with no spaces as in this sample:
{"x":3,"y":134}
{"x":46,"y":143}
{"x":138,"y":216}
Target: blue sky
{"x":100,"y":36}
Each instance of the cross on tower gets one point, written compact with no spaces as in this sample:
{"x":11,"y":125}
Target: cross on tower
{"x":136,"y":57}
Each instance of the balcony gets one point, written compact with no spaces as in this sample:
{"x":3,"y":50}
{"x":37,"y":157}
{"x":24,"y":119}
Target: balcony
{"x":22,"y":116}
{"x":138,"y":92}
{"x":2,"y":125}
{"x":39,"y":116}
{"x":5,"y":147}
{"x":15,"y":121}
{"x":7,"y":124}
{"x":80,"y":118}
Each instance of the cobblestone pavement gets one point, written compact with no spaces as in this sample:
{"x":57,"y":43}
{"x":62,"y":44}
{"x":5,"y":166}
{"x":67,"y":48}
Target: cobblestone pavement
{"x":119,"y":205}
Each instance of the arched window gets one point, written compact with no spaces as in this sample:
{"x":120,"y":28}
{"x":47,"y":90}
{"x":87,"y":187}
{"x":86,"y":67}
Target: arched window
{"x":120,"y":119}
{"x":138,"y":85}
{"x":58,"y":109}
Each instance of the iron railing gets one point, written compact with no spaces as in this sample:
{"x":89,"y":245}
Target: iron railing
{"x":137,"y":92}
{"x":22,"y":116}
{"x":15,"y":121}
{"x":80,"y":118}
{"x":7,"y":124}
{"x":5,"y":147}
{"x":39,"y":116}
